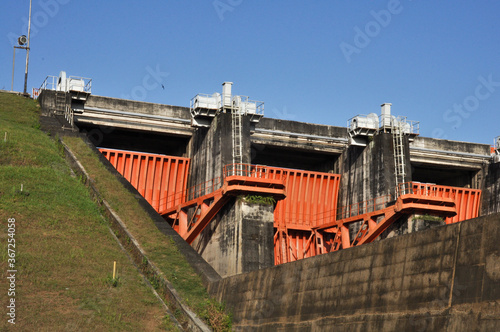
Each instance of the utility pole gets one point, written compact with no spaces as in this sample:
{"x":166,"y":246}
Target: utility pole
{"x":13,"y":66}
{"x":27,"y":52}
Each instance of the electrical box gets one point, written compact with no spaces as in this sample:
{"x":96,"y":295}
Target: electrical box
{"x":207,"y":101}
{"x":369,"y":121}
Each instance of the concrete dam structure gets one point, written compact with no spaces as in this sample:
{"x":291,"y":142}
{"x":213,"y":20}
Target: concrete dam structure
{"x":255,"y":197}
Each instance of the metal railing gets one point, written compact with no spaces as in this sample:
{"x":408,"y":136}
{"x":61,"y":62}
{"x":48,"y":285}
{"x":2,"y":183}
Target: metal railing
{"x":426,"y":189}
{"x":248,"y":170}
{"x":189,"y":194}
{"x":381,"y":202}
{"x":88,"y":86}
{"x":370,"y":205}
{"x":407,"y":126}
{"x":251,"y":107}
{"x":204,"y":188}
{"x":214,"y":101}
{"x":366,"y":123}
{"x":210,"y":186}
{"x":50,"y":83}
{"x":204,"y":100}
{"x":69,"y":115}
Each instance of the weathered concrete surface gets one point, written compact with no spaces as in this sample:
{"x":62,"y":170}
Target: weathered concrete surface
{"x":107,"y":114}
{"x":240,"y":239}
{"x":450,"y":146}
{"x":410,"y":224}
{"x":368,"y":172}
{"x":491,"y":190}
{"x":451,"y":163}
{"x":133,"y":106}
{"x":135,"y":116}
{"x":299,"y":135}
{"x":302,"y":128}
{"x":431,"y":151}
{"x":299,"y":145}
{"x":211,"y":149}
{"x":47,"y":100}
{"x":443,"y":279}
{"x":295,"y":158}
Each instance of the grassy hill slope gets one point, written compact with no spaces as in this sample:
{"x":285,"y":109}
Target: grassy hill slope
{"x":64,"y":251}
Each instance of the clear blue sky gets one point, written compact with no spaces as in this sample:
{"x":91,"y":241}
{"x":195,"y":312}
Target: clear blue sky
{"x":320,"y":61}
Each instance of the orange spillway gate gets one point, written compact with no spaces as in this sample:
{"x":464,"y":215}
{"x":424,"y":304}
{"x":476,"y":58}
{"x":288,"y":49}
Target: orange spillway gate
{"x":311,"y":198}
{"x":306,"y":219}
{"x":452,"y":203}
{"x":160,"y":179}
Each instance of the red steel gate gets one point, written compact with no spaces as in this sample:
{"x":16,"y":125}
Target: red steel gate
{"x":156,"y":177}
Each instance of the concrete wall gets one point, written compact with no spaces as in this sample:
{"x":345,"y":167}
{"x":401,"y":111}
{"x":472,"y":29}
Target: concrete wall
{"x":491,"y":190}
{"x":211,"y":149}
{"x":293,"y":144}
{"x":451,"y":163}
{"x":138,"y":107}
{"x":302,"y":128}
{"x":47,"y":100}
{"x":443,"y":279}
{"x":240,"y":238}
{"x":368,"y":172}
{"x":450,"y":146}
{"x":294,"y":158}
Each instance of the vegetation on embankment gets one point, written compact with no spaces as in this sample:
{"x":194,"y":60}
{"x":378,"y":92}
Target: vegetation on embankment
{"x":64,"y":252}
{"x":159,"y":249}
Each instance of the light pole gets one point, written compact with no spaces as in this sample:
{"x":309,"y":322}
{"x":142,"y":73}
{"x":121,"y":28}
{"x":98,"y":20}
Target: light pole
{"x":13,"y":65}
{"x":27,"y":52}
{"x":21,"y":41}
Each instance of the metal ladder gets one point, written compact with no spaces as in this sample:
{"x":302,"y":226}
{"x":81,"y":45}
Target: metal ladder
{"x":69,"y":116}
{"x":399,"y":155}
{"x":60,"y":107}
{"x":237,"y":140}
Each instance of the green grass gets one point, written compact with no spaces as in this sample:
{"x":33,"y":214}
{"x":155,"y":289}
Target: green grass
{"x":427,"y":217}
{"x":258,"y":199}
{"x":64,"y":250}
{"x":159,"y":249}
